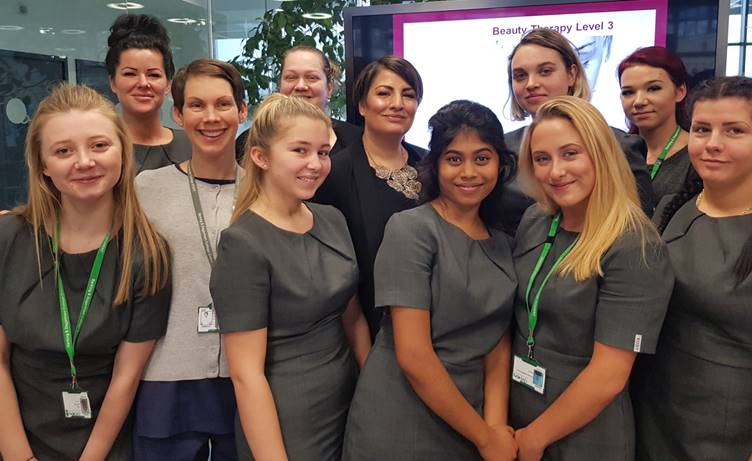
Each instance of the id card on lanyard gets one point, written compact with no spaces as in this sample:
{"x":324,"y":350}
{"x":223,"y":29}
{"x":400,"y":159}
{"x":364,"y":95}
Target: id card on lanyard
{"x":75,"y":401}
{"x":527,"y":370}
{"x":206,"y":318}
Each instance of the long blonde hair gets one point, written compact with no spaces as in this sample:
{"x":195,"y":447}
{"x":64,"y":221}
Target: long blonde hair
{"x":548,"y":38}
{"x":44,"y":200}
{"x":270,"y":120}
{"x":614,"y":206}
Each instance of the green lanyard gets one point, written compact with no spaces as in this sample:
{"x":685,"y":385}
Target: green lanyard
{"x":208,"y":247}
{"x":71,"y":337}
{"x":664,"y":152}
{"x":532,"y":310}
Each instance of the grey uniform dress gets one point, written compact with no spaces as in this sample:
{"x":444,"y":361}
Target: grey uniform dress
{"x":624,"y":308}
{"x":152,"y":157}
{"x":468,"y":285}
{"x":693,"y":400}
{"x":30,"y":316}
{"x":297,"y":286}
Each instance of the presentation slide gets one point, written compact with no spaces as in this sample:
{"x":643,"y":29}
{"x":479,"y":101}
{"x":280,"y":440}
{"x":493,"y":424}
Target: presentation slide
{"x":464,"y":54}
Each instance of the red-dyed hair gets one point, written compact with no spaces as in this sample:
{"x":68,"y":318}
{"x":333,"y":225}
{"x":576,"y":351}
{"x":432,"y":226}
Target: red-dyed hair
{"x":662,"y":58}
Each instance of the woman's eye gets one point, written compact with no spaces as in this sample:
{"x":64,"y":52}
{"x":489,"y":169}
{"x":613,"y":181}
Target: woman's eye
{"x":540,"y":159}
{"x":517,"y":76}
{"x":699,"y":129}
{"x":453,"y":160}
{"x":101,"y":145}
{"x":482,"y":159}
{"x":410,"y":95}
{"x":323,"y":153}
{"x":62,"y":151}
{"x":546,"y":71}
{"x":654,"y":88}
{"x":626,"y":93}
{"x":570,"y":153}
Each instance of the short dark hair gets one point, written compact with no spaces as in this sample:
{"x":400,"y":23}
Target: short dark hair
{"x":142,"y":32}
{"x":445,"y":125}
{"x":399,"y":66}
{"x":661,"y":58}
{"x":209,"y":68}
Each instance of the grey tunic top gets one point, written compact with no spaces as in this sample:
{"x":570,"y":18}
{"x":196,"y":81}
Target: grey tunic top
{"x":468,"y":285}
{"x":693,"y":400}
{"x":184,"y":353}
{"x":153,"y":157}
{"x":30,"y":316}
{"x":624,"y":308}
{"x":297,"y":286}
{"x":672,"y":175}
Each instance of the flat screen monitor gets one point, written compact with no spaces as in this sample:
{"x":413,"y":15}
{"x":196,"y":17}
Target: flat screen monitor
{"x":461,"y":48}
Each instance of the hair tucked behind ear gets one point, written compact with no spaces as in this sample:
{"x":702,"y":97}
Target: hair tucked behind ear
{"x":271,"y":119}
{"x":713,"y":90}
{"x":691,"y":187}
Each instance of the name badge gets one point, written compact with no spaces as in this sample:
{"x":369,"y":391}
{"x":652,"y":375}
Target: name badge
{"x":207,"y":321}
{"x":529,"y":373}
{"x":76,"y":405}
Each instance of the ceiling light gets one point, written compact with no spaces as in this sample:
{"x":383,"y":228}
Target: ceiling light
{"x":46,"y":30}
{"x":64,"y":50}
{"x":125,"y":6}
{"x":317,"y":15}
{"x":72,"y":31}
{"x":184,"y":21}
{"x":9,"y":27}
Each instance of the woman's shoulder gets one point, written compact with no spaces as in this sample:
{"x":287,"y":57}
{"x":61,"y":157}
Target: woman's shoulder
{"x":15,"y":231}
{"x":416,"y":222}
{"x":532,"y":230}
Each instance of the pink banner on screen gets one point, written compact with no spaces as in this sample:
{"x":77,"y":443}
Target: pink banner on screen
{"x":660,"y":7}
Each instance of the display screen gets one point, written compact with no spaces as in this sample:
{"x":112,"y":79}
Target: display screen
{"x":464,"y":54}
{"x":461,"y":48}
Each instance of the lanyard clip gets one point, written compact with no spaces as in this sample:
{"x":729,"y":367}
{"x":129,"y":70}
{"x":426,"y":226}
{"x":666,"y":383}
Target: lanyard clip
{"x":530,"y":347}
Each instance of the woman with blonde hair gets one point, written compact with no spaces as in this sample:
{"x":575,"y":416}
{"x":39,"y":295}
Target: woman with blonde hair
{"x":284,"y":288}
{"x":587,"y":256}
{"x":545,"y":65}
{"x":79,"y":320}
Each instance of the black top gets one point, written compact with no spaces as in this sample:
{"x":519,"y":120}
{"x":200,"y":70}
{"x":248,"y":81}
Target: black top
{"x":152,"y":157}
{"x":346,"y":134}
{"x":515,"y":202}
{"x":672,"y":175}
{"x":367,"y":203}
{"x":30,"y":316}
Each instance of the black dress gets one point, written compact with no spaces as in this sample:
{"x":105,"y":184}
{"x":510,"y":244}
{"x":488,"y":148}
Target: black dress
{"x":515,"y":202}
{"x":367,"y":203}
{"x":152,"y":157}
{"x":673,"y":174}
{"x":30,"y":316}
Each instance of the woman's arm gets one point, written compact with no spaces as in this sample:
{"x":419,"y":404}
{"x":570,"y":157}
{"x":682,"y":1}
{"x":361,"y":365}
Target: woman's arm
{"x":14,"y":446}
{"x":593,"y":389}
{"x":356,"y":330}
{"x":496,"y":385}
{"x":430,"y":380}
{"x":130,"y":360}
{"x":246,"y":356}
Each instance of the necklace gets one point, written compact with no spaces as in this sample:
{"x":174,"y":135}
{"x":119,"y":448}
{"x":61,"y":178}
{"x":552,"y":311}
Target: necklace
{"x":404,"y":179}
{"x":698,"y":201}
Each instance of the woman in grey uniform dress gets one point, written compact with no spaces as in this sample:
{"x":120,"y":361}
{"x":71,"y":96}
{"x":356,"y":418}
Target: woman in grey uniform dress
{"x":544,"y":65}
{"x":435,"y":385}
{"x":594,"y":282}
{"x":284,"y":290}
{"x":653,"y":95}
{"x":80,"y":312}
{"x":140,"y":68}
{"x":693,"y":400}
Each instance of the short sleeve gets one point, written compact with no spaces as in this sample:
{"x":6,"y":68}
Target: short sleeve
{"x":633,"y":294}
{"x":149,"y":313}
{"x":402,"y":271}
{"x":240,"y":283}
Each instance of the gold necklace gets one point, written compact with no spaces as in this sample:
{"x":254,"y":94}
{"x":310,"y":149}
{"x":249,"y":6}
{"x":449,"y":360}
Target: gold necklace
{"x":701,"y":195}
{"x":403,"y":179}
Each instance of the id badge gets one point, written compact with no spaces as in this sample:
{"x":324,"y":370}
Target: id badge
{"x":76,"y":404}
{"x":529,"y":373}
{"x":207,"y":321}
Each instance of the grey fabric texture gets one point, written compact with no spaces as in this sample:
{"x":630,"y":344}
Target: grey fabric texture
{"x":154,"y":157}
{"x":693,"y":399}
{"x":468,"y":286}
{"x":297,"y":286}
{"x":165,"y":196}
{"x":630,"y":299}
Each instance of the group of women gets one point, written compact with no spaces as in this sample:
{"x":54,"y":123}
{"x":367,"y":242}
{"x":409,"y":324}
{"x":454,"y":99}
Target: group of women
{"x":341,"y":294}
